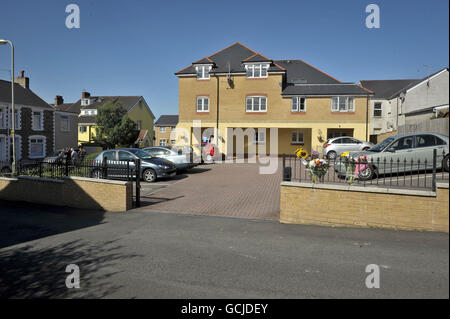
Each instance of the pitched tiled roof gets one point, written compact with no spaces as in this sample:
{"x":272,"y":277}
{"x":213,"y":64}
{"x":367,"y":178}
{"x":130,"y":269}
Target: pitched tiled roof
{"x":324,"y":89}
{"x":63,"y":107}
{"x":85,"y":119}
{"x":386,"y":89}
{"x":228,"y":60}
{"x":301,"y":72}
{"x":167,"y":120}
{"x":98,"y":101}
{"x":21,"y":95}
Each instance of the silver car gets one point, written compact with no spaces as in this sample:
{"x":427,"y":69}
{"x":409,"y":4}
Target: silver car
{"x":338,"y":145}
{"x":403,"y":153}
{"x":181,"y":160}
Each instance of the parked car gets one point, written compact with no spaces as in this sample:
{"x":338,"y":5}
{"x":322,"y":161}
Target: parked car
{"x":152,"y":168}
{"x":207,"y":151}
{"x":410,"y":147}
{"x":338,"y":145}
{"x":181,"y":160}
{"x":56,"y":158}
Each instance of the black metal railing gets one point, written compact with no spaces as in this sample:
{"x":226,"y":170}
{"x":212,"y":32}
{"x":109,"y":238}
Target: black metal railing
{"x":393,"y":170}
{"x":60,"y":169}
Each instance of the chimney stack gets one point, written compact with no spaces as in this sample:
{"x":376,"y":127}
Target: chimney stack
{"x":85,"y":95}
{"x":59,"y":100}
{"x":22,"y":80}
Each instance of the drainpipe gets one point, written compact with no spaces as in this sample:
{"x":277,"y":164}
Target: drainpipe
{"x":367,"y":118}
{"x":217,"y":116}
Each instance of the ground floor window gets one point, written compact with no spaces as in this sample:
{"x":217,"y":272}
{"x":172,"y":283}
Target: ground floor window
{"x":18,"y":147}
{"x":297,"y":138}
{"x":163,"y":142}
{"x":83,"y":129}
{"x":65,"y":123}
{"x":36,"y":146}
{"x":259,"y":138}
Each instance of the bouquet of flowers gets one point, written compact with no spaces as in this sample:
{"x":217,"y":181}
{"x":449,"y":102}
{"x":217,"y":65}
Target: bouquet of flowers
{"x":301,"y":153}
{"x":354,"y":166}
{"x":317,"y":168}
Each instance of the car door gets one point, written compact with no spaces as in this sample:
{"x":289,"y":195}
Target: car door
{"x":347,"y":145}
{"x":125,"y":164}
{"x":111,"y":163}
{"x":399,"y":156}
{"x":425,"y":146}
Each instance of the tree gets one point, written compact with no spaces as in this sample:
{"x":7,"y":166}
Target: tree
{"x":114,"y":127}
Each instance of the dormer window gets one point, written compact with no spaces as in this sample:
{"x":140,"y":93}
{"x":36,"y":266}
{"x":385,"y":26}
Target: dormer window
{"x":85,"y":102}
{"x":257,"y":70}
{"x":89,"y":112}
{"x":203,"y":72}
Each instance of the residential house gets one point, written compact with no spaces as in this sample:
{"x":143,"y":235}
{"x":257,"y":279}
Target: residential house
{"x":66,"y":125}
{"x":397,"y":103}
{"x":384,"y":106}
{"x":163,"y":129}
{"x":240,"y":88}
{"x":424,"y":99}
{"x":87,"y":108}
{"x":34,"y":122}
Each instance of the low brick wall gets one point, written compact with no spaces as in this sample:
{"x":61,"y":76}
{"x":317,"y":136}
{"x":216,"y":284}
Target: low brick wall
{"x":356,"y":206}
{"x":77,"y":192}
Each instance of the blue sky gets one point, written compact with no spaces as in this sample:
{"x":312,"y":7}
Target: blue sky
{"x":134,"y":47}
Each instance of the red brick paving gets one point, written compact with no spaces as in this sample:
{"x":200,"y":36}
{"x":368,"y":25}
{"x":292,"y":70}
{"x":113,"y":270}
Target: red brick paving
{"x":231,"y":190}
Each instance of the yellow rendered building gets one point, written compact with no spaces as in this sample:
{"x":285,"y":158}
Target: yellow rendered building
{"x":137,"y":110}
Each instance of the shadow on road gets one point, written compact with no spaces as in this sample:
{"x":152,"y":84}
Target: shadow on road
{"x":41,"y":273}
{"x":23,"y":222}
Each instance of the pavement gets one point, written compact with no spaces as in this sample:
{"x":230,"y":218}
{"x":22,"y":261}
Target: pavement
{"x":148,"y":254}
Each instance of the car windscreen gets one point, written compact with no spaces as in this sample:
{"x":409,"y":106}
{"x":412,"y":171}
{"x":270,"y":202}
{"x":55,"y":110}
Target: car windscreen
{"x":141,"y":154}
{"x":380,"y":147}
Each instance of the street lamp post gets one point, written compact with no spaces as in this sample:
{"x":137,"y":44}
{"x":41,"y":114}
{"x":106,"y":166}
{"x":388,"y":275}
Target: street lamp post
{"x":13,"y":122}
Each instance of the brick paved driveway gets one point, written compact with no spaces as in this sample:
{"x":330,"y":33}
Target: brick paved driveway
{"x":231,"y":190}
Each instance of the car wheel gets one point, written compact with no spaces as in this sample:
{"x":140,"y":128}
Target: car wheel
{"x":445,"y":163}
{"x":331,"y":155}
{"x":149,"y":175}
{"x":367,"y":174}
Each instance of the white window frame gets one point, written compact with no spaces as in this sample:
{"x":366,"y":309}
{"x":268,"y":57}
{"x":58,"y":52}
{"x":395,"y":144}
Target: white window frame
{"x":18,"y":113}
{"x":259,"y":140}
{"x":85,"y":102}
{"x":297,"y":137}
{"x":4,"y":151}
{"x":295,"y":106}
{"x":44,"y":145}
{"x":380,"y":109}
{"x":257,"y":70}
{"x":203,"y":99}
{"x":3,"y":119}
{"x":162,"y":129}
{"x":203,"y":72}
{"x":336,"y":103}
{"x":41,"y":124}
{"x":82,"y":126}
{"x":63,"y":118}
{"x":161,"y":143}
{"x":139,"y":125}
{"x":253,"y":104}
